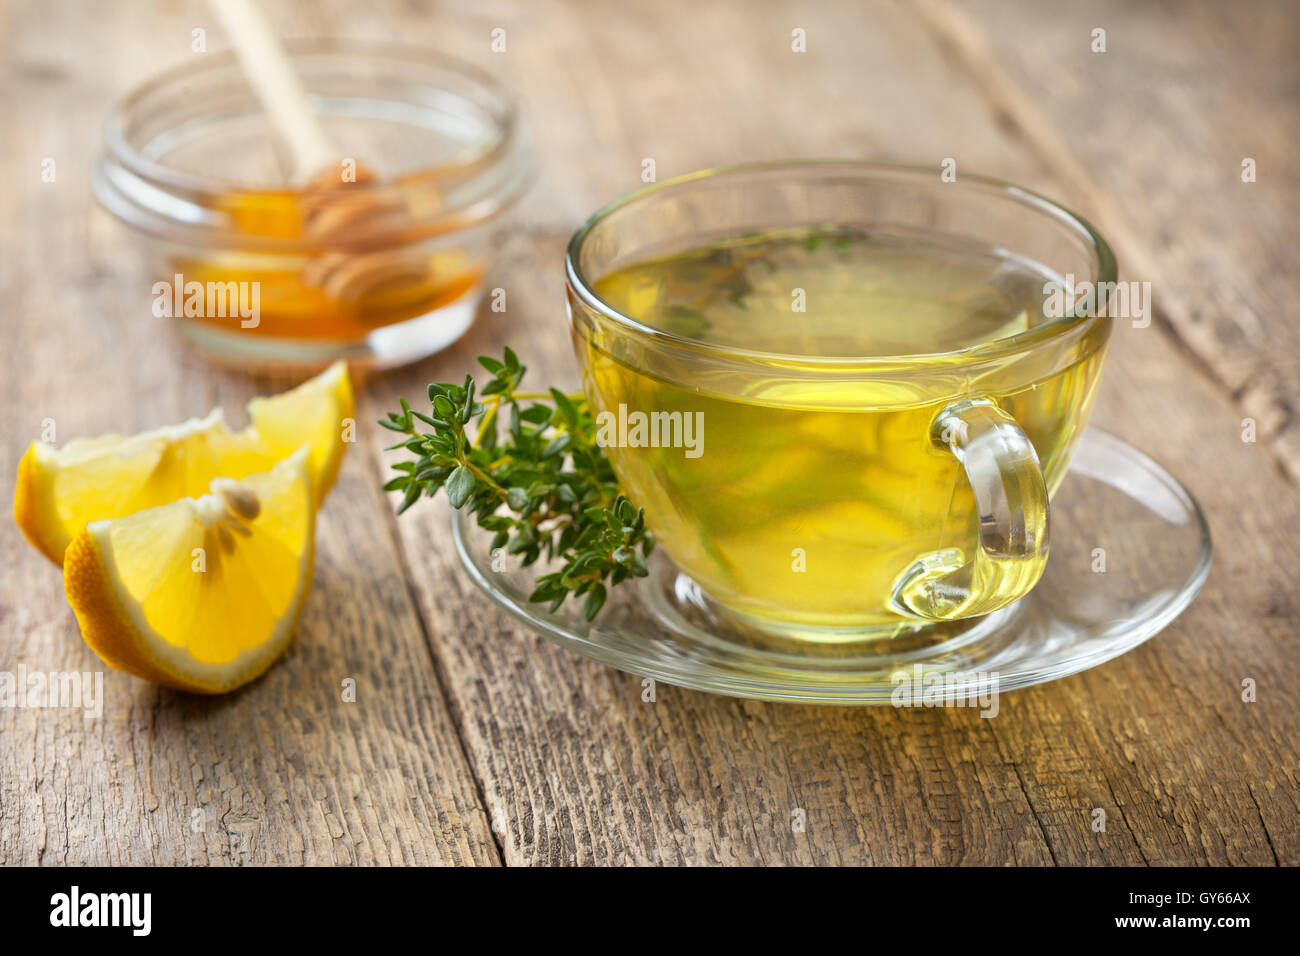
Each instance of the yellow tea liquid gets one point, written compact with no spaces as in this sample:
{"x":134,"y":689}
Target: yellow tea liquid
{"x":817,"y":483}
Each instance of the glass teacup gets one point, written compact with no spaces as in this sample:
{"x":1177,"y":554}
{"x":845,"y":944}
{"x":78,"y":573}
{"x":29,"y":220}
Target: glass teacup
{"x":825,"y":478}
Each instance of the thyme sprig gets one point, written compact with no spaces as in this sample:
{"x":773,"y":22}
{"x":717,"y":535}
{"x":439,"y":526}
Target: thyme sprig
{"x":527,"y":466}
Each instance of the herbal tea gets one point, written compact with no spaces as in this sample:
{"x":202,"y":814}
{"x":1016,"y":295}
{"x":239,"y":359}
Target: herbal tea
{"x":818,"y":482}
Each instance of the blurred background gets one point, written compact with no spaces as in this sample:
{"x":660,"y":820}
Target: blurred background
{"x":1147,"y":138}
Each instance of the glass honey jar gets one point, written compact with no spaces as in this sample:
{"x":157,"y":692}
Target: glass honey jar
{"x":379,"y":261}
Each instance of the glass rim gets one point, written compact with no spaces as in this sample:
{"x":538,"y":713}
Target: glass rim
{"x":1106,"y":271}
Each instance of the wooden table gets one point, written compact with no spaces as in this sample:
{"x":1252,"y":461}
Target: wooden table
{"x":474,"y":741}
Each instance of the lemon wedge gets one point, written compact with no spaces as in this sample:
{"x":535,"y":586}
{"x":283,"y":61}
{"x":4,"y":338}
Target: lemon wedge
{"x":201,"y":594}
{"x":60,"y":490}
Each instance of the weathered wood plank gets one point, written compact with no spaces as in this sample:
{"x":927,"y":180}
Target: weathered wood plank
{"x":569,"y":763}
{"x":282,"y":771}
{"x":1154,"y":131}
{"x":579,"y":769}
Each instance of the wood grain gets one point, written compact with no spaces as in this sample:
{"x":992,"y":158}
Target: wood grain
{"x":282,"y":771}
{"x":466,"y":720}
{"x":1145,"y":737}
{"x":1153,"y":132}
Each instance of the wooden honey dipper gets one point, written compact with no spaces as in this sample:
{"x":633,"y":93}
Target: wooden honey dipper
{"x":333,"y":208}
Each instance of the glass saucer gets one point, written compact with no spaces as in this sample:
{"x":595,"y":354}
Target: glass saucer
{"x":1130,"y":550}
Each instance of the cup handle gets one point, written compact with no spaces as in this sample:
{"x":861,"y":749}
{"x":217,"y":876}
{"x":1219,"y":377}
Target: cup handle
{"x":1011,"y":501}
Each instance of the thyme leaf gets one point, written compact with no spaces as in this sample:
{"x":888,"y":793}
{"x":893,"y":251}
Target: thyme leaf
{"x":527,"y":466}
